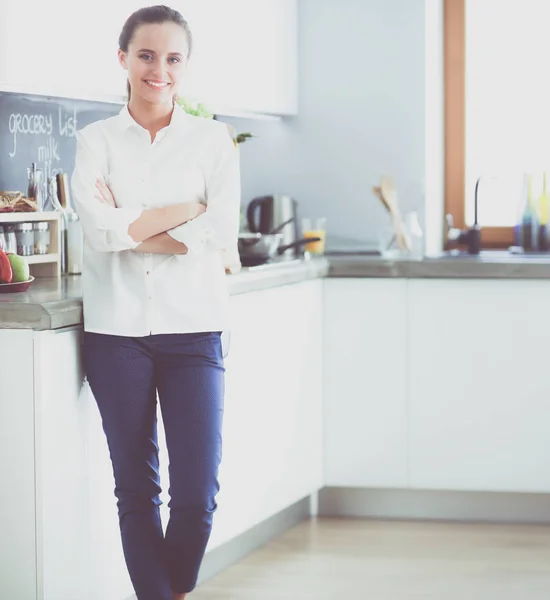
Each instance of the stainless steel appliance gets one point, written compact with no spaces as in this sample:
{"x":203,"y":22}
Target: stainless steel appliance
{"x":276,"y":214}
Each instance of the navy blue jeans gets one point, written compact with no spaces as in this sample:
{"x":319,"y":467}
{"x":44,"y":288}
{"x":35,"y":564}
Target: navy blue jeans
{"x":187,"y":370}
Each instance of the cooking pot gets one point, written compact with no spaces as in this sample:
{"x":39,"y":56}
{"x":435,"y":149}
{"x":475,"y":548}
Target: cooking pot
{"x":258,"y":248}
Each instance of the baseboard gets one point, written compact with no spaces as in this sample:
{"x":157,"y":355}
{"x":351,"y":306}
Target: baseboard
{"x":231,"y":552}
{"x":435,"y":505}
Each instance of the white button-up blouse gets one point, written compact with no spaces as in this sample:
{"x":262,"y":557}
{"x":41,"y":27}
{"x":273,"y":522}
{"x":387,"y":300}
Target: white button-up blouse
{"x":130,"y":293}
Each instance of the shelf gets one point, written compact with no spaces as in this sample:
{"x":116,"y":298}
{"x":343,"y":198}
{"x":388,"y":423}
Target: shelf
{"x":25,"y":217}
{"x":41,"y":265}
{"x":40,"y":259}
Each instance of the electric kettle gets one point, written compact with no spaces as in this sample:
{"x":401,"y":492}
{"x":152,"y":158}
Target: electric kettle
{"x":276,"y":214}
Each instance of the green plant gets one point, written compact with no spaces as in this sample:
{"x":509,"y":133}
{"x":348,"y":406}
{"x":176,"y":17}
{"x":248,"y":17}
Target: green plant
{"x":198,"y":110}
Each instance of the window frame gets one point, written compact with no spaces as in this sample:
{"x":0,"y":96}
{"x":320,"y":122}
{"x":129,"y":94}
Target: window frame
{"x":454,"y":65}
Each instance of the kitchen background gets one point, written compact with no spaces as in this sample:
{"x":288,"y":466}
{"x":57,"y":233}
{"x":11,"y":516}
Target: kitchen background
{"x":368,"y":107}
{"x":415,"y":424}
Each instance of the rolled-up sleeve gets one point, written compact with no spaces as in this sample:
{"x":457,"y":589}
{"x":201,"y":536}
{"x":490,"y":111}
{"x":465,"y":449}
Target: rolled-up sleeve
{"x":218,"y":227}
{"x":105,"y":227}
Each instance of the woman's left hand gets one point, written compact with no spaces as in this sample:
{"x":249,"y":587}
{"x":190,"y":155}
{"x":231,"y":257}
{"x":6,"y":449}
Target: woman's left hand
{"x":104,"y":193}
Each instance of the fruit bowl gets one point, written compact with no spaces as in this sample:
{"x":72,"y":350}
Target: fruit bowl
{"x":18,"y":286}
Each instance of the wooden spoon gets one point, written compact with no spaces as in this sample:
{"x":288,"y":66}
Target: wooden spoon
{"x":389,"y":193}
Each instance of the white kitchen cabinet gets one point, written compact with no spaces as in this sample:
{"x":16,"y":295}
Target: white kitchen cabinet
{"x":365,"y":368}
{"x":68,"y":50}
{"x":61,"y":474}
{"x":77,"y":528}
{"x":272,"y":453}
{"x":244,"y":58}
{"x":245,"y":54}
{"x":18,"y":556}
{"x":480,"y":391}
{"x":45,"y":553}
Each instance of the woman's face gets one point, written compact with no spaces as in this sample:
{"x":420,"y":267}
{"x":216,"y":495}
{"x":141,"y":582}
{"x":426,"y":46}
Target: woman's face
{"x":155,"y":61}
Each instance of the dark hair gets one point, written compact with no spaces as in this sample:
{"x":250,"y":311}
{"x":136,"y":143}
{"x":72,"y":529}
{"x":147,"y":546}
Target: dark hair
{"x":149,"y":15}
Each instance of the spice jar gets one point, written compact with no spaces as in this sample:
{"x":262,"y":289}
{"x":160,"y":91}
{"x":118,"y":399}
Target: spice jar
{"x":9,"y":239}
{"x":25,"y":239}
{"x":41,"y":237}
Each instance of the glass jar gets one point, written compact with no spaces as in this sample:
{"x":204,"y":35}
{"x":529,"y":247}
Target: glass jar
{"x":25,"y":239}
{"x":9,"y":239}
{"x":41,"y":237}
{"x":74,"y":243}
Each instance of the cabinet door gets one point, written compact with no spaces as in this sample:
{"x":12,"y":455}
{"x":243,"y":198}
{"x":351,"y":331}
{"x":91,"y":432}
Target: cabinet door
{"x":244,"y":57}
{"x":272,"y":423}
{"x":365,"y":382}
{"x":61,"y":474}
{"x":67,"y":50}
{"x":18,"y":551}
{"x":244,"y":54}
{"x":480,"y":392}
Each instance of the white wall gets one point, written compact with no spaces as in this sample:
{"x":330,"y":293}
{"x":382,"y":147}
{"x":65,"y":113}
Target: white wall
{"x":362,"y":81}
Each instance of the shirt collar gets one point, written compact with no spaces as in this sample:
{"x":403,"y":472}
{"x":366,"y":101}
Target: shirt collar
{"x":126,"y":120}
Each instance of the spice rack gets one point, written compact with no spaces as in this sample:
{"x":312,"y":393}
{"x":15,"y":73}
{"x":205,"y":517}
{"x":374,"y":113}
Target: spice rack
{"x":41,"y":265}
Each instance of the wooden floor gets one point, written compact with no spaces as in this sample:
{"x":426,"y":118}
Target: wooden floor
{"x":348,"y":559}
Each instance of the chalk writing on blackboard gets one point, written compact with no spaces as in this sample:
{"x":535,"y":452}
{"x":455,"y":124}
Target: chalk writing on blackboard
{"x":48,"y":153}
{"x":42,"y":129}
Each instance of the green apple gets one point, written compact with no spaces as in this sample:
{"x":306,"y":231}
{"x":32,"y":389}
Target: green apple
{"x":19,"y":267}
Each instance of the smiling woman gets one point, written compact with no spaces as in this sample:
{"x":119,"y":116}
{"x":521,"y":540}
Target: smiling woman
{"x":144,"y":66}
{"x":158,"y":195}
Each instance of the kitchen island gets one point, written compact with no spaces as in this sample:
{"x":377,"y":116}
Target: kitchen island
{"x":365,"y":379}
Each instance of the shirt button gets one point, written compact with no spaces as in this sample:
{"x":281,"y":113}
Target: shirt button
{"x":148,"y":272}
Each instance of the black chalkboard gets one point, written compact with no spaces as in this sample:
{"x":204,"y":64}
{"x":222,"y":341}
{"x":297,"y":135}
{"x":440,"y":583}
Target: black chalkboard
{"x":42,"y":129}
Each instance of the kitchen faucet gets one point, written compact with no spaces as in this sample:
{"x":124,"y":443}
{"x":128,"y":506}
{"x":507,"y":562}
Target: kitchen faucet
{"x":471,"y":236}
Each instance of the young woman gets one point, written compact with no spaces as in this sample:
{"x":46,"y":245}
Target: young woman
{"x":158,"y":195}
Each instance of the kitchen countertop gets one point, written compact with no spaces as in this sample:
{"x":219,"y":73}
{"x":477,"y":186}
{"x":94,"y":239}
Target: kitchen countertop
{"x":52,"y":303}
{"x":487,"y":265}
{"x":56,"y":302}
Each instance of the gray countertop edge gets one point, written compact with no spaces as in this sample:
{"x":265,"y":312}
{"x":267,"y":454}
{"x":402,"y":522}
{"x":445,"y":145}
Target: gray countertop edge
{"x":273,"y":276}
{"x":41,"y":317}
{"x":356,"y":266}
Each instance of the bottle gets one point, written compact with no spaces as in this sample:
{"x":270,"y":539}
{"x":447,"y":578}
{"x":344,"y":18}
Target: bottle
{"x":543,"y":207}
{"x":527,"y":232}
{"x":74,"y":248}
{"x":31,"y":180}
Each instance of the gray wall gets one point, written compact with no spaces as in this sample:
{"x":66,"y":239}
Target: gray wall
{"x":361,"y":115}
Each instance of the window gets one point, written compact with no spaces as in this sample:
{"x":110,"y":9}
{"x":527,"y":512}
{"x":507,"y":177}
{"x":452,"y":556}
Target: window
{"x":497,"y":110}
